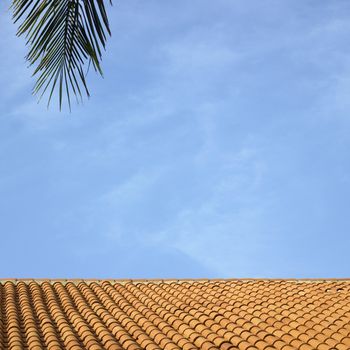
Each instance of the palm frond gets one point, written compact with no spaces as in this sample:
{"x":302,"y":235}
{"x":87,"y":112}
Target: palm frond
{"x":63,"y":36}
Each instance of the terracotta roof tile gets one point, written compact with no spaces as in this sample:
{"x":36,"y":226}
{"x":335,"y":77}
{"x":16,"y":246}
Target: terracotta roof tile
{"x":175,"y":314}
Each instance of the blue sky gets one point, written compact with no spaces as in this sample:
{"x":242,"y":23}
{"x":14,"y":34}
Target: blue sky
{"x":217,"y":145}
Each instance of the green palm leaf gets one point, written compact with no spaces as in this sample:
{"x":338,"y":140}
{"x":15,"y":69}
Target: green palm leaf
{"x":63,"y":36}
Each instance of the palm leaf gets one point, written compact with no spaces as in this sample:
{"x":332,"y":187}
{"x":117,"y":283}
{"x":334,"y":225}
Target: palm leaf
{"x":63,"y":36}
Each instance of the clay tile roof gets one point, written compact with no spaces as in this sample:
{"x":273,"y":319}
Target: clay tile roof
{"x":175,"y":314}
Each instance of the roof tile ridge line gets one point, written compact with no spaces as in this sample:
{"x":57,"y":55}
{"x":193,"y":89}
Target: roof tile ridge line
{"x":178,"y":279}
{"x":165,"y":280}
{"x":175,"y":279}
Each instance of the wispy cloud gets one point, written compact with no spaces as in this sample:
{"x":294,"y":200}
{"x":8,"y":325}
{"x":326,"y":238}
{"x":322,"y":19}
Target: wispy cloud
{"x":217,"y":143}
{"x":225,"y":229}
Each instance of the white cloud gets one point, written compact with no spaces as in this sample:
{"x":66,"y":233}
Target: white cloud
{"x":134,"y":188}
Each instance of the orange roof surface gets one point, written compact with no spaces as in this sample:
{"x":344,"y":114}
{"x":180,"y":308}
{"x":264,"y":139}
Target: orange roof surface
{"x":178,"y":314}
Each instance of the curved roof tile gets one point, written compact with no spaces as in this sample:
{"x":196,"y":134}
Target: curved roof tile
{"x":174,"y":314}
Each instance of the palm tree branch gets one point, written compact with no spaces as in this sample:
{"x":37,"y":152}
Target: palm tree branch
{"x":63,"y":35}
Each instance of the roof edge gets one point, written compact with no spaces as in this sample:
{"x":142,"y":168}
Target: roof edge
{"x":166,"y":280}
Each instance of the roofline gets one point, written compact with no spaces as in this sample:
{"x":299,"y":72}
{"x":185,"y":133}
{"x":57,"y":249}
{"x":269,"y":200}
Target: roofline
{"x":165,"y":280}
